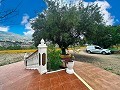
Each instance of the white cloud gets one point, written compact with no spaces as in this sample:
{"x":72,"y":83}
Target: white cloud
{"x":3,"y":28}
{"x":25,"y":19}
{"x":64,"y":2}
{"x":29,"y":33}
{"x":30,"y":30}
{"x":27,"y":25}
{"x":104,"y":5}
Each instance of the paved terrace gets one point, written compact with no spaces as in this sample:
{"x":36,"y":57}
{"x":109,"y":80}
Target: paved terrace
{"x":16,"y":77}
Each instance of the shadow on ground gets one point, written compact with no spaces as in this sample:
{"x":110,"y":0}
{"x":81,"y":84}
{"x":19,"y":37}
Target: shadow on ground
{"x":85,"y":58}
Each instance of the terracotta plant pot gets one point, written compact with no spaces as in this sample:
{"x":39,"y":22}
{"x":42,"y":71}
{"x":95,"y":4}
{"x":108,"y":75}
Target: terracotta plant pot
{"x":65,"y":56}
{"x":65,"y":59}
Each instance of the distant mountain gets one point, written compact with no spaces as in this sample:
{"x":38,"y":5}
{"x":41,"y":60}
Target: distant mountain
{"x":7,"y":36}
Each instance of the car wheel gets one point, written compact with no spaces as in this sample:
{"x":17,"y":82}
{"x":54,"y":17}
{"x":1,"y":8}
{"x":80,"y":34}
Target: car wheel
{"x":89,"y":51}
{"x":104,"y":53}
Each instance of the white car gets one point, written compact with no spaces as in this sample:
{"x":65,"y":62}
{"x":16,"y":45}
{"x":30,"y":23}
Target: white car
{"x":97,"y":49}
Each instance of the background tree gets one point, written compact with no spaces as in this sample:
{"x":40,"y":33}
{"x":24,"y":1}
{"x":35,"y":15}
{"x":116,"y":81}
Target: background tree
{"x":115,"y":34}
{"x":101,"y":36}
{"x":106,"y":36}
{"x":64,"y":25}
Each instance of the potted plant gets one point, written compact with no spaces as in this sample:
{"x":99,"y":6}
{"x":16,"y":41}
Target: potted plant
{"x":65,"y":57}
{"x":70,"y":65}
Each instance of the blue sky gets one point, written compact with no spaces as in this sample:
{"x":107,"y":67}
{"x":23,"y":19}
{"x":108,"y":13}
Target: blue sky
{"x":28,"y":9}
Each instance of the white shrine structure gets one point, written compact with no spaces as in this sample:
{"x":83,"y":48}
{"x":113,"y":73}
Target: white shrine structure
{"x":38,"y":59}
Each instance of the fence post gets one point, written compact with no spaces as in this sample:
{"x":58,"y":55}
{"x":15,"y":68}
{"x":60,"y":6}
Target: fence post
{"x":42,"y":57}
{"x":25,"y":56}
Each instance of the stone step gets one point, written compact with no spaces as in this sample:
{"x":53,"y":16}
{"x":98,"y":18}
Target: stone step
{"x":35,"y":66}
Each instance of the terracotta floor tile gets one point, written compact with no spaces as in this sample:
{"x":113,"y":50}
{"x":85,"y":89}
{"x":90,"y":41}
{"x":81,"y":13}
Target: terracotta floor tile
{"x":22,"y":88}
{"x":1,"y":87}
{"x":45,"y":84}
{"x":33,"y":86}
{"x":19,"y":78}
{"x":3,"y":80}
{"x":22,"y":83}
{"x":68,"y":86}
{"x":62,"y":73}
{"x":55,"y":81}
{"x":52,"y":75}
{"x":59,"y":87}
{"x":28,"y":79}
{"x":102,"y":81}
{"x":72,"y":77}
{"x":34,"y":75}
{"x":85,"y":88}
{"x":10,"y":87}
{"x":35,"y":79}
{"x":44,"y":77}
{"x":64,"y":78}
{"x":46,"y":89}
{"x":79,"y":85}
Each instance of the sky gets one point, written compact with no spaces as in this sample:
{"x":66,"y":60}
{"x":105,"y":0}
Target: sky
{"x":27,"y":10}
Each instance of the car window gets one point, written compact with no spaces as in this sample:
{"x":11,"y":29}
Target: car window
{"x":97,"y":47}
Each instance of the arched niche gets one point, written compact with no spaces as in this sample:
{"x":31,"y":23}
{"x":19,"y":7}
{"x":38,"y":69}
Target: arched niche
{"x":43,"y":59}
{"x":39,"y":59}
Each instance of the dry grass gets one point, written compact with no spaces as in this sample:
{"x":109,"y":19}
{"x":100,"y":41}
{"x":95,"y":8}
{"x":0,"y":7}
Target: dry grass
{"x":12,"y":56}
{"x":8,"y":58}
{"x":17,"y":51}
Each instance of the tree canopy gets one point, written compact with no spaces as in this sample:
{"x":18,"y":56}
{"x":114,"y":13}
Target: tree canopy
{"x":105,"y":36}
{"x":64,"y":25}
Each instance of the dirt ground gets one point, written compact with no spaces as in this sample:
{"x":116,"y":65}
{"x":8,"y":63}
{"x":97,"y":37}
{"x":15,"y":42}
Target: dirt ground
{"x":108,"y":62}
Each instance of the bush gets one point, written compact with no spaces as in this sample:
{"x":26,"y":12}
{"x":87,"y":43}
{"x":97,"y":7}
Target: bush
{"x":54,"y":60}
{"x":2,"y":48}
{"x":114,"y":50}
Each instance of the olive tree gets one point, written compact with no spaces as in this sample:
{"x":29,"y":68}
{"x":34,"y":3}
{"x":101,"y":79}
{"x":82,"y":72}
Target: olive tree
{"x":64,"y":25}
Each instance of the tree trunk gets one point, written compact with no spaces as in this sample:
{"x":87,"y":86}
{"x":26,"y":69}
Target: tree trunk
{"x":63,"y":51}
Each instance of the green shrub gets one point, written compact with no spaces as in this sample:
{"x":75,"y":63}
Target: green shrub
{"x":54,"y":60}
